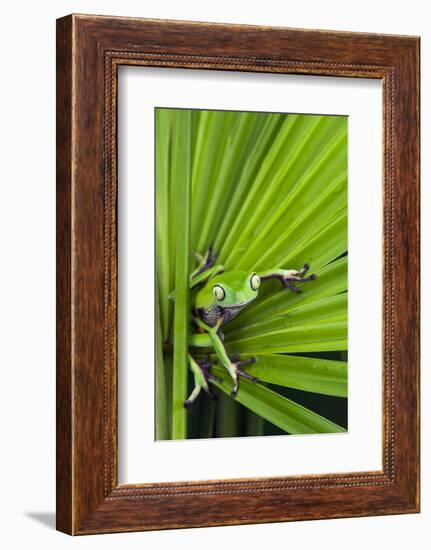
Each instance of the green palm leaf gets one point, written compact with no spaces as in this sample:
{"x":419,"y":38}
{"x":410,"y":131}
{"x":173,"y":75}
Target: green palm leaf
{"x":181,"y":158}
{"x":280,"y":411}
{"x":303,"y":373}
{"x":321,"y":311}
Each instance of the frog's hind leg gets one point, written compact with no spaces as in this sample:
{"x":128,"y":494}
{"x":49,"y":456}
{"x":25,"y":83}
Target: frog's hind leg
{"x":202,"y":375}
{"x":233,"y":365}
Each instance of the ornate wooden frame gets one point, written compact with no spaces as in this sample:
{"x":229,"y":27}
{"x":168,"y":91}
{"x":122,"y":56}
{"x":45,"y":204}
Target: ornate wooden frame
{"x":89,"y":51}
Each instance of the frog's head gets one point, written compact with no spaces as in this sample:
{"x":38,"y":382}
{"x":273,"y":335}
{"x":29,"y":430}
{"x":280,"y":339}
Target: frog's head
{"x":235,"y":289}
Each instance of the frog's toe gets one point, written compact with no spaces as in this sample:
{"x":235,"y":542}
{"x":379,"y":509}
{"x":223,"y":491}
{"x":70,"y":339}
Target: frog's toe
{"x":196,"y":391}
{"x":212,"y":394}
{"x":248,"y":361}
{"x":290,"y":286}
{"x":214,"y":378}
{"x":188,"y":402}
{"x":235,"y":386}
{"x":248,"y":376}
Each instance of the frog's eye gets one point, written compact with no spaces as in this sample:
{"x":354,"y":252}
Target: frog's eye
{"x":255,"y":281}
{"x":219,"y":292}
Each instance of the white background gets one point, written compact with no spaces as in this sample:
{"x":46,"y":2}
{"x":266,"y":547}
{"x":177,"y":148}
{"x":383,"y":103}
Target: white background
{"x":141,"y":458}
{"x":27,"y":119}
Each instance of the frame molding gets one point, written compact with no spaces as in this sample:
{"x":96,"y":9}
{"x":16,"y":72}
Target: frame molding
{"x":89,"y":51}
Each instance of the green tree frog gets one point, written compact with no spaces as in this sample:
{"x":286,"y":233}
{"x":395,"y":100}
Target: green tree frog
{"x":220,"y":297}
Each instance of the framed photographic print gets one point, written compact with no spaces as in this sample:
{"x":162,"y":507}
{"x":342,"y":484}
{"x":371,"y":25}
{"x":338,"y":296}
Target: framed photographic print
{"x":237,"y":274}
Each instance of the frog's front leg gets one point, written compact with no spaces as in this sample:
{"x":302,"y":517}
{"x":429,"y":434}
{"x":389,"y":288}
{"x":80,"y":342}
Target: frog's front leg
{"x":202,"y":375}
{"x":288,"y":277}
{"x":206,"y":268}
{"x":205,"y":262}
{"x":233,"y":366}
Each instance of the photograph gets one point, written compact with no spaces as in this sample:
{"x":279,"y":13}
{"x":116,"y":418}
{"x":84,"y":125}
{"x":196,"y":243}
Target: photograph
{"x":251,"y":260}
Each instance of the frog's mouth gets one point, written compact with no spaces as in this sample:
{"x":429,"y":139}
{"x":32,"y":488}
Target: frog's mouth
{"x":229,"y":312}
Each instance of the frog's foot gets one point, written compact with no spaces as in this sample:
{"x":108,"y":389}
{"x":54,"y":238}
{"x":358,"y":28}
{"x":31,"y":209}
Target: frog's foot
{"x":292,"y":277}
{"x":207,"y":261}
{"x":206,"y":268}
{"x":236,"y":372}
{"x":205,"y":366}
{"x":202,"y":375}
{"x":289,"y":278}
